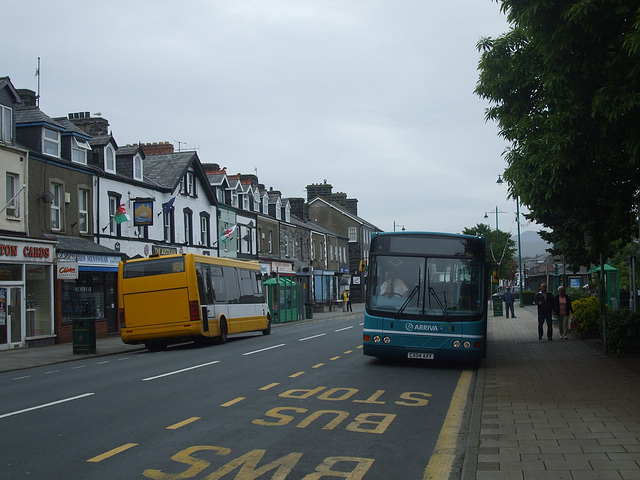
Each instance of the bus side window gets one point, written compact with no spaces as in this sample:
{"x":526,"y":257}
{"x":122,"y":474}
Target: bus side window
{"x":232,"y":285}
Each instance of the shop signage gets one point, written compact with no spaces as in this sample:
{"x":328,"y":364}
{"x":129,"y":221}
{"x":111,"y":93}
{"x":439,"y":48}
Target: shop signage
{"x":143,"y":213}
{"x":67,"y":270}
{"x":158,"y":250}
{"x":25,"y":251}
{"x":282,"y":267}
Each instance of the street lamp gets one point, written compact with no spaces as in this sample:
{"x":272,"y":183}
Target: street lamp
{"x":397,"y":225}
{"x":500,"y":181}
{"x":486,"y":215}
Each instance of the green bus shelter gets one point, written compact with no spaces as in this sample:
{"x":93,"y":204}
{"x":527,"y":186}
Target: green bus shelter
{"x":282,"y":297}
{"x":611,"y":284}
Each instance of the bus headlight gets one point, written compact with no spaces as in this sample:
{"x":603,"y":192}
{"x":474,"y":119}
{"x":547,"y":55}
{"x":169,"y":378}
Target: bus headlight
{"x":467,"y":344}
{"x":386,"y":339}
{"x":376,"y":339}
{"x":456,"y":343}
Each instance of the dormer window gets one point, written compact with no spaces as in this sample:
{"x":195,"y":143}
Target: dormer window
{"x":109,"y":159}
{"x":287,"y":212}
{"x":137,"y":167}
{"x":6,"y":126}
{"x":256,"y":201}
{"x":51,"y":142}
{"x":188,"y":184}
{"x":79,"y":150}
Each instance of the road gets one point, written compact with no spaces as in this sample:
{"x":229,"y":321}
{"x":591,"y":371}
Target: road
{"x":301,"y":403}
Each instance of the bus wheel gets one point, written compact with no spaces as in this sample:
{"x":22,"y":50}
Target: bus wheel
{"x":223,"y":331}
{"x":155,"y":346}
{"x":267,"y":330}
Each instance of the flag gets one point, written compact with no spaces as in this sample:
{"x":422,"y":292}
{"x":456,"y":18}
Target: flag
{"x":228,"y":232}
{"x":166,"y":208}
{"x":121,"y":215}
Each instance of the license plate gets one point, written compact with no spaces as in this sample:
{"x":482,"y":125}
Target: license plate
{"x":423,"y":356}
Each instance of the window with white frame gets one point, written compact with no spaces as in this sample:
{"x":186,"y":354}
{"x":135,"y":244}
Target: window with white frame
{"x":353,"y":234}
{"x":189,"y":184}
{"x":109,"y":159}
{"x":205,"y":238}
{"x":51,"y":142}
{"x":278,"y":209}
{"x":137,"y":167}
{"x":234,"y":198}
{"x":114,"y":204}
{"x":286,"y":246}
{"x":6,"y":125}
{"x":245,"y":202}
{"x":12,"y":198}
{"x":83,"y":210}
{"x":256,"y":201}
{"x":270,"y":241}
{"x":56,"y":206}
{"x":265,"y":204}
{"x":188,"y":226}
{"x":79,"y":150}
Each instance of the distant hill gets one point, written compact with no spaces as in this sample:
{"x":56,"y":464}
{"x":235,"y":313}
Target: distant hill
{"x":531,"y":243}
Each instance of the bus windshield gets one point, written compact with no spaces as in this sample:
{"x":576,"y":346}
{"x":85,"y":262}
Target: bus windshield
{"x":416,"y":286}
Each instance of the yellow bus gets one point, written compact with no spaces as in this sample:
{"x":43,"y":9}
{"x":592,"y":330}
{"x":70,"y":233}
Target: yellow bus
{"x":177,"y":298}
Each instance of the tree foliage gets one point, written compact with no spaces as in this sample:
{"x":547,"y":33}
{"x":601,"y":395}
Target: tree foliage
{"x":564,"y":87}
{"x":500,"y":249}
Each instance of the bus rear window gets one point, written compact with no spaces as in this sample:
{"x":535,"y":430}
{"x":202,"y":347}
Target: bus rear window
{"x":161,"y":266}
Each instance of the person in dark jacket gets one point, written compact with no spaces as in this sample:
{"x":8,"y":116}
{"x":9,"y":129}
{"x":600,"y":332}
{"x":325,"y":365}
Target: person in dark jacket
{"x":562,"y":307}
{"x":544,"y":301}
{"x":509,"y":299}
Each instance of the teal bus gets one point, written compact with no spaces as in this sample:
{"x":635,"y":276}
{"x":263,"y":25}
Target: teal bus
{"x":426,"y":297}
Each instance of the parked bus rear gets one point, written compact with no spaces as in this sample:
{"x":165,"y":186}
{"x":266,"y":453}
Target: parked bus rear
{"x":426,"y":297}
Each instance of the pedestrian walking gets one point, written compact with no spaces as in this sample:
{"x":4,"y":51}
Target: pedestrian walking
{"x":544,"y":301}
{"x":562,"y":307}
{"x":349,"y":308}
{"x":508,"y":302}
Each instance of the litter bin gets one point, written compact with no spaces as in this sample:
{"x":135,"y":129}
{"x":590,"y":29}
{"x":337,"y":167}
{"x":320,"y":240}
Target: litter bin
{"x":309,"y":310}
{"x":84,"y":335}
{"x":497,"y":305}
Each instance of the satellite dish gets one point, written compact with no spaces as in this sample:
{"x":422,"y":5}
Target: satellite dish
{"x":46,"y":197}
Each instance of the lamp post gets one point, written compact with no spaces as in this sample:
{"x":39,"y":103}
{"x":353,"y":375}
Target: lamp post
{"x":486,"y":215}
{"x":500,"y":181}
{"x":397,"y":225}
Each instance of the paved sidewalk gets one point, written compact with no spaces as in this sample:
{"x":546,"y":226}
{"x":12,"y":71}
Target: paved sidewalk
{"x":22,"y":358}
{"x":552,"y":410}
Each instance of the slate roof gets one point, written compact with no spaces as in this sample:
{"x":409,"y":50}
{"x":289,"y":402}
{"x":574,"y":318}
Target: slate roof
{"x":82,"y":245}
{"x":167,"y":169}
{"x":35,"y":115}
{"x":71,"y":127}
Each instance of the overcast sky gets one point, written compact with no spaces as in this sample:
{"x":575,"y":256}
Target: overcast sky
{"x":375,"y":97}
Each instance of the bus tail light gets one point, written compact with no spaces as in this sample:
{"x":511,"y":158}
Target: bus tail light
{"x":123,"y":324}
{"x":367,"y":338}
{"x":477,"y":344}
{"x":194,"y":311}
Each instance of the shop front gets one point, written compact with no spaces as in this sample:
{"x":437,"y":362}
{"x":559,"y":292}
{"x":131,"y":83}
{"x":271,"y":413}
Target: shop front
{"x":26,"y":292}
{"x":87,"y":287}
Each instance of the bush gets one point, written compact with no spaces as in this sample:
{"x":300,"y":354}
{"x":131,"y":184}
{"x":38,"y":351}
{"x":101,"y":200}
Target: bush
{"x":623,"y":331}
{"x":587,"y":313}
{"x":528,"y":296}
{"x":576,"y":293}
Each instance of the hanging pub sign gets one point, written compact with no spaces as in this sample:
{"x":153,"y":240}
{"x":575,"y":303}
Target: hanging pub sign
{"x":67,"y":270}
{"x":143,"y":213}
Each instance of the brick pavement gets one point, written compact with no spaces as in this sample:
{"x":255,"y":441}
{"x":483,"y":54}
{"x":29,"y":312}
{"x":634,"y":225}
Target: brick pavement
{"x":553,"y":410}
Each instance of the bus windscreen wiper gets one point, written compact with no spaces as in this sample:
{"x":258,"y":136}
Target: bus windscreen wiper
{"x":406,"y":302}
{"x":439,"y":302}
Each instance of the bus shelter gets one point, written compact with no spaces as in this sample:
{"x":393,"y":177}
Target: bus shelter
{"x":611,"y":284}
{"x":282,"y":297}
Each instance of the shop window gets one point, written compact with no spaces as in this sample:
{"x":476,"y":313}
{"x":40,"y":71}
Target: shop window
{"x":83,"y":297}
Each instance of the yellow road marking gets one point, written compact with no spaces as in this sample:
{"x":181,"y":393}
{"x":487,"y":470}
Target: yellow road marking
{"x":335,"y":358}
{"x":271,"y":385}
{"x":441,"y":461}
{"x":296,"y":375}
{"x":359,"y":346}
{"x":183,"y":423}
{"x":318,"y":365}
{"x":233,"y":402}
{"x":111,"y":453}
{"x":348,"y":352}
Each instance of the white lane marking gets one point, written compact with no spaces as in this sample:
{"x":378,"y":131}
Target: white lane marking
{"x":46,"y":405}
{"x":21,"y":378}
{"x":180,"y":371}
{"x":343,"y":329}
{"x":264,"y":349}
{"x":315,"y":336}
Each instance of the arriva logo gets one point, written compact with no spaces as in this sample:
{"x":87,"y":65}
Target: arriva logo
{"x":423,"y":328}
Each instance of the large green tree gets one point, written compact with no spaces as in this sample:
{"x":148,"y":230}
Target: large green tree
{"x":500,"y":249}
{"x":564,"y":87}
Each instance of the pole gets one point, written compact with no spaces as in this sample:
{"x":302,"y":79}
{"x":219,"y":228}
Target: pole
{"x":497,"y":219}
{"x":520,"y":253}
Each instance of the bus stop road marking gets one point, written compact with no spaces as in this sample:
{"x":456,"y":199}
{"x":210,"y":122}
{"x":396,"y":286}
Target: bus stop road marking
{"x":111,"y":453}
{"x":271,"y":385}
{"x":233,"y":402}
{"x":180,"y":371}
{"x":343,"y":329}
{"x":176,"y":426}
{"x":64,"y":400}
{"x":312,"y":337}
{"x":441,"y":461}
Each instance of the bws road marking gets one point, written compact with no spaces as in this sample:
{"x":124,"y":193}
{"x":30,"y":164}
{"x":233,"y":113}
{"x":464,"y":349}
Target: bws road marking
{"x":350,"y":468}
